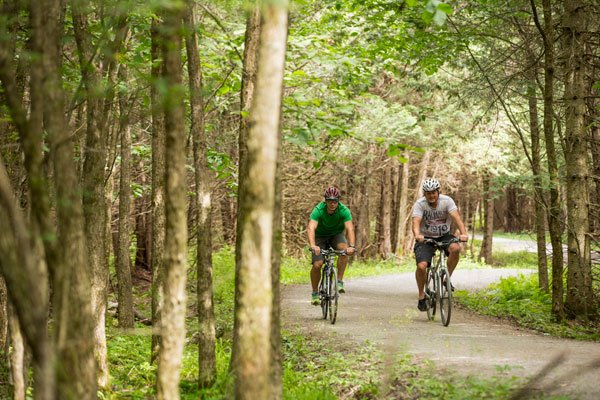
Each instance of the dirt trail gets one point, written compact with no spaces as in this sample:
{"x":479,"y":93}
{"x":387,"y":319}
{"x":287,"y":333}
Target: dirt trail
{"x":383,"y":310}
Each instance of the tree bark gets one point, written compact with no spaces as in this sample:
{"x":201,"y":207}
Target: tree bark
{"x":122,"y":258}
{"x":173,"y":312}
{"x":254,"y":298}
{"x":249,"y":70}
{"x":554,"y":210}
{"x":158,"y":191}
{"x":486,"y":246}
{"x":207,"y":365}
{"x":385,"y":244}
{"x":579,"y":300}
{"x":402,"y":208}
{"x":539,"y":202}
{"x":98,"y":108}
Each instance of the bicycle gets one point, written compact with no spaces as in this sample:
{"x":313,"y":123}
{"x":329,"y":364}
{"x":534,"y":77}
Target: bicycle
{"x":438,"y":286}
{"x":328,"y":289}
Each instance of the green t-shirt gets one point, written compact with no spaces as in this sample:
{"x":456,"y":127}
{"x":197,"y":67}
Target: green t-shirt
{"x":330,"y":225}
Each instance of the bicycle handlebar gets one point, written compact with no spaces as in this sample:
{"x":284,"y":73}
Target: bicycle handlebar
{"x":441,"y":244}
{"x":327,"y":252}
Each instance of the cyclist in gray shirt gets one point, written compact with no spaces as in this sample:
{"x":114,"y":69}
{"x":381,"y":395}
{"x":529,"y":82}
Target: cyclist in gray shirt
{"x":432,"y":217}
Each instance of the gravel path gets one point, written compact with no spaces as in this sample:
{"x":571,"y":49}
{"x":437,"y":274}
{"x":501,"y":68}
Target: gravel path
{"x":383,"y":310}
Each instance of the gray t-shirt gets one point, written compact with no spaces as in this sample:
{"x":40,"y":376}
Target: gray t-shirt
{"x":435,"y":221}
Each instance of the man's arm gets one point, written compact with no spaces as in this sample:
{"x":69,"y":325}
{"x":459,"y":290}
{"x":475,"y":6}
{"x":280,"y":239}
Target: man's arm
{"x":459,"y":223}
{"x":310,"y":231}
{"x":351,"y":237}
{"x":416,"y":229}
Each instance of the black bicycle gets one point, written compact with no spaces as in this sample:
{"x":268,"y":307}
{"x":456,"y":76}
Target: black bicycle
{"x":328,"y":289}
{"x":438,"y":287}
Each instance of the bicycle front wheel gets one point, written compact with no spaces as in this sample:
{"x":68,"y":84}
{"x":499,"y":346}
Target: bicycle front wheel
{"x":333,"y":295}
{"x":445,"y":297}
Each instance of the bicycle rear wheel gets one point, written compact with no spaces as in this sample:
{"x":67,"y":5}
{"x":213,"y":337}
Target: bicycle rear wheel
{"x":430,"y":295}
{"x":445,"y":297}
{"x":333,"y":295}
{"x":323,"y":293}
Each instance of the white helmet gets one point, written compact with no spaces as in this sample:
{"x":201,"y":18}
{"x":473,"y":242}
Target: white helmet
{"x":430,"y":185}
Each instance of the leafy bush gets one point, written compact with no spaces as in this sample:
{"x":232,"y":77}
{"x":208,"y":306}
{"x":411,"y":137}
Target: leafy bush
{"x":519,"y":299}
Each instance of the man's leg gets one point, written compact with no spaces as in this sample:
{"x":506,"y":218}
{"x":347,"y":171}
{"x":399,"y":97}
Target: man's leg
{"x":453,"y":256}
{"x":421,"y":275}
{"x":315,"y":275}
{"x":342,"y":261}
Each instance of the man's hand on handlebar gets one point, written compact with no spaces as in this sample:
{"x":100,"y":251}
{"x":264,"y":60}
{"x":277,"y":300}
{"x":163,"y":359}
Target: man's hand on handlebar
{"x":316,"y":250}
{"x":350,"y":250}
{"x":464,"y":238}
{"x":420,"y":238}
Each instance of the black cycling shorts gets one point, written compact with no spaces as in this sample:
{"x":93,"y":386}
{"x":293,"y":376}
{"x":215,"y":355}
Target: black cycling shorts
{"x":326,"y":241}
{"x":424,"y":251}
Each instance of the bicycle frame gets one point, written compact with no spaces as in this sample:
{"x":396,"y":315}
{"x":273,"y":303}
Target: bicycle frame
{"x":328,"y":291}
{"x":439,"y":276}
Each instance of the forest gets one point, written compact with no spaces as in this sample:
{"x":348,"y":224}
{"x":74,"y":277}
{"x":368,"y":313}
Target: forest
{"x":159,"y":161}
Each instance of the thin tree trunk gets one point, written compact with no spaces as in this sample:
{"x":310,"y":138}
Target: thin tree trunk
{"x":385,"y":244}
{"x":539,"y":202}
{"x":402,"y":207}
{"x":554,"y":210}
{"x":254,"y":299}
{"x":580,"y":299}
{"x":275,"y":382}
{"x":19,"y":358}
{"x":122,"y":259}
{"x":158,"y":192}
{"x":207,"y":365}
{"x":249,"y":70}
{"x":173,"y":313}
{"x":486,"y":246}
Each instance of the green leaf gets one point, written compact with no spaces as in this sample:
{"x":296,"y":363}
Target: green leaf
{"x":445,"y":8}
{"x":403,"y":160}
{"x":316,"y":164}
{"x":439,"y":18}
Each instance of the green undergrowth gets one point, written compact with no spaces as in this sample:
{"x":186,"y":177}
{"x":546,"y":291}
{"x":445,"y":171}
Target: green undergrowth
{"x":519,"y":299}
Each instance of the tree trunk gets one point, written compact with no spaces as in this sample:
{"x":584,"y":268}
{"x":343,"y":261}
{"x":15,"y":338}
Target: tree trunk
{"x":173,"y":313}
{"x":19,"y":358}
{"x":553,"y":211}
{"x":276,"y":375}
{"x":95,"y":159}
{"x":579,"y":299}
{"x":385,"y":244}
{"x":207,"y":365}
{"x":539,"y":202}
{"x":72,"y":288}
{"x":122,"y":259}
{"x":249,"y":70}
{"x":254,"y":300}
{"x":402,"y":208}
{"x":158,"y":191}
{"x":486,"y":246}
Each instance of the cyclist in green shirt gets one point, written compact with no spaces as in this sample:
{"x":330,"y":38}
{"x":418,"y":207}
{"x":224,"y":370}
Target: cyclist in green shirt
{"x":328,"y":221}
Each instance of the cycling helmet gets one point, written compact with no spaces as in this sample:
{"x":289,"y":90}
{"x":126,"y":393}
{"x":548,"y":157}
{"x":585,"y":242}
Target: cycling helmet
{"x":430,"y":185}
{"x":332,"y":193}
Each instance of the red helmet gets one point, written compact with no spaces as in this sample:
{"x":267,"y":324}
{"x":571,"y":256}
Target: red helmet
{"x":332,"y":193}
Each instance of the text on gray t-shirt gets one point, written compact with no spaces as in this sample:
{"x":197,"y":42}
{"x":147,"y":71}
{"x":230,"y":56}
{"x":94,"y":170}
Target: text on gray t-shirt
{"x":435,"y":221}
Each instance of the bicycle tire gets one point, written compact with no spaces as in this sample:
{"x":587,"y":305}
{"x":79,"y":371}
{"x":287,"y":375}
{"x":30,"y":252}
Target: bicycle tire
{"x":323,"y":293}
{"x":445,"y":297}
{"x":333,"y":295}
